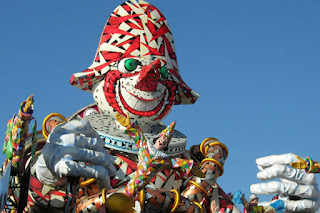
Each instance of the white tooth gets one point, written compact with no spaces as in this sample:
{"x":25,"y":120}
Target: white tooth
{"x":137,"y":104}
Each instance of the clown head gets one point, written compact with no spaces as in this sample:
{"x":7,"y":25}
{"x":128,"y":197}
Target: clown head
{"x":135,"y":69}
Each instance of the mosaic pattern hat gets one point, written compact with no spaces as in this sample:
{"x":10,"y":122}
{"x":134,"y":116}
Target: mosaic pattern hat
{"x":168,"y":131}
{"x":135,"y":29}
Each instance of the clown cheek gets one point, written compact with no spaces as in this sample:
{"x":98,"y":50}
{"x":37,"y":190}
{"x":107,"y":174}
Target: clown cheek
{"x":101,"y":100}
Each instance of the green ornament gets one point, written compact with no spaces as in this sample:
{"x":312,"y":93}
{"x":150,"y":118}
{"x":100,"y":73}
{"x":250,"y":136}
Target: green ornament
{"x":9,"y":150}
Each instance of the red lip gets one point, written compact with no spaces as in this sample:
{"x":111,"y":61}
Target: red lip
{"x":141,"y":113}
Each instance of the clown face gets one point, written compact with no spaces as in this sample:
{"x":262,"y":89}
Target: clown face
{"x":139,"y":87}
{"x":135,"y":70}
{"x":161,"y":143}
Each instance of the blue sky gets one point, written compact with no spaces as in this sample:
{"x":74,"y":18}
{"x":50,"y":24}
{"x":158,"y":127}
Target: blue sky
{"x":255,"y":65}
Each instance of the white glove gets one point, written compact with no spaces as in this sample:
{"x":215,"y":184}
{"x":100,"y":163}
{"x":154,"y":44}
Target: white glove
{"x":292,"y":182}
{"x":68,"y":148}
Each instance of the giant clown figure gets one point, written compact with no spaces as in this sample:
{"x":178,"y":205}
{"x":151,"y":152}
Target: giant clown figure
{"x":87,"y":159}
{"x":135,"y":72}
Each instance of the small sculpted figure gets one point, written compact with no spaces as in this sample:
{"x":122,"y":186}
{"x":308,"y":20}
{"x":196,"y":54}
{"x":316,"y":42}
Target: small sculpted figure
{"x":151,"y":158}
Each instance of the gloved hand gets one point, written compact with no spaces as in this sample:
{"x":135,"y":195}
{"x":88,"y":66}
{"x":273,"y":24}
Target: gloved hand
{"x":295,"y":187}
{"x":68,"y":148}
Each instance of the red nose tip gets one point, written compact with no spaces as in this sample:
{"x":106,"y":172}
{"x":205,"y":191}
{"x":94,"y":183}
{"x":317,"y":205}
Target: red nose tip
{"x":149,"y":76}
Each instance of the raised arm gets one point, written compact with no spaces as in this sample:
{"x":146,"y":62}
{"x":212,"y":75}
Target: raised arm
{"x":132,"y":129}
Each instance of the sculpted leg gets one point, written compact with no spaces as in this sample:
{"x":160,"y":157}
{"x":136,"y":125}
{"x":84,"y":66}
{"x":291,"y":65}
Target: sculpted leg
{"x":212,"y":159}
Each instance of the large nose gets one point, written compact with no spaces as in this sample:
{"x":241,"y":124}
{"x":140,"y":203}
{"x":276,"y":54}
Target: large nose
{"x":149,"y":76}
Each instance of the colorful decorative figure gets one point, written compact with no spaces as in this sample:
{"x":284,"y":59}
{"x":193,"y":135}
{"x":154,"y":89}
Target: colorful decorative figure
{"x":151,"y":158}
{"x":254,"y":207}
{"x":17,"y":130}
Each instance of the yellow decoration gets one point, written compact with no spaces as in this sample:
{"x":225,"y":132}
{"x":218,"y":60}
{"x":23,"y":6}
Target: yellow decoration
{"x":176,"y":200}
{"x":204,"y":149}
{"x":301,"y":164}
{"x":103,"y":193}
{"x":28,"y":104}
{"x":200,"y":207}
{"x":88,"y":181}
{"x":218,"y":144}
{"x":45,"y":131}
{"x":215,"y":162}
{"x":199,"y":187}
{"x":124,"y":121}
{"x":142,"y":198}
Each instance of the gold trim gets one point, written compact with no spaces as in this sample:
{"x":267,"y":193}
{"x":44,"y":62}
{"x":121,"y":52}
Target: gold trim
{"x":202,"y":148}
{"x":88,"y":181}
{"x":176,"y":200}
{"x":212,"y":160}
{"x":198,"y":204}
{"x":203,"y":190}
{"x":104,"y":196}
{"x":216,"y":143}
{"x":142,"y":198}
{"x":46,"y":119}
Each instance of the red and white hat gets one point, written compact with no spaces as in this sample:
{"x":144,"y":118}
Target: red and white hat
{"x":137,"y":30}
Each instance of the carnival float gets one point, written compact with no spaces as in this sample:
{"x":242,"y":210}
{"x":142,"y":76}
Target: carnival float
{"x":116,"y":155}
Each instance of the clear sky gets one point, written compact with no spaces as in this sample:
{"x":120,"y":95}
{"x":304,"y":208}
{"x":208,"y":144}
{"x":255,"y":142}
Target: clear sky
{"x":255,"y":65}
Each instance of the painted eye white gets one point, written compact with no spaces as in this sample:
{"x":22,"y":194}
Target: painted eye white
{"x":127,"y":65}
{"x":89,"y":112}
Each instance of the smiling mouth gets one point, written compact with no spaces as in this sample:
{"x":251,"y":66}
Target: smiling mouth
{"x":141,"y":98}
{"x":140,"y":102}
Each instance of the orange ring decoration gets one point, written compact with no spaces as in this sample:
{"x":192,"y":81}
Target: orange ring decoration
{"x":216,"y":143}
{"x":200,"y":207}
{"x":213,"y":161}
{"x":46,"y":119}
{"x":176,"y":200}
{"x":87,"y":182}
{"x":104,"y":196}
{"x":204,"y":150}
{"x":199,"y":187}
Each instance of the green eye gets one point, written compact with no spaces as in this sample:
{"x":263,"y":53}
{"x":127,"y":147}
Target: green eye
{"x":130,"y":65}
{"x":164,"y":72}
